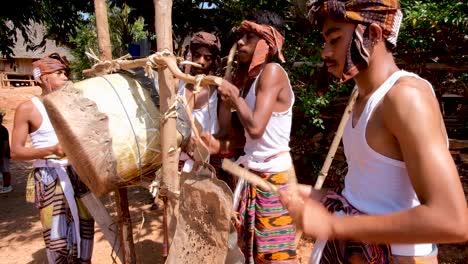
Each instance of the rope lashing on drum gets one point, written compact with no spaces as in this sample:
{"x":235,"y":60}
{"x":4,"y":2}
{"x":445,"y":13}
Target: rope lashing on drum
{"x":125,"y":63}
{"x":106,"y":66}
{"x":152,"y":62}
{"x":131,"y":126}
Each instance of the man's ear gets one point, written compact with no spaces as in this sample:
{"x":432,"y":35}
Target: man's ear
{"x":375,"y":34}
{"x":42,"y":79}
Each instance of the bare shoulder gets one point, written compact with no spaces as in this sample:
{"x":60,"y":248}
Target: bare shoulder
{"x":26,"y":106}
{"x":24,"y":110}
{"x":273,"y":73}
{"x":273,"y":68}
{"x":410,"y":94}
{"x":411,"y":105}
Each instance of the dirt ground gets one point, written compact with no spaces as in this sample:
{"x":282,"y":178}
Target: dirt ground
{"x":20,"y":229}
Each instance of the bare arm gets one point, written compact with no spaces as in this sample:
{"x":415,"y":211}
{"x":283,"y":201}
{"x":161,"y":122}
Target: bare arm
{"x":271,"y":81}
{"x":19,"y":151}
{"x":413,"y":117}
{"x":224,"y":119}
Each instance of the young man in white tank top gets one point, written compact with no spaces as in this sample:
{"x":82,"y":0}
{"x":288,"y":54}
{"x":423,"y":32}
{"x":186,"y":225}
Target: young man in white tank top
{"x":205,"y":49}
{"x":68,"y":228}
{"x":402,"y":189}
{"x":263,"y":98}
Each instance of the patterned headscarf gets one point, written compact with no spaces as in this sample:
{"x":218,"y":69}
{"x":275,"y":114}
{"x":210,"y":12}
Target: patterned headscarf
{"x":270,"y":43}
{"x":52,"y":63}
{"x":385,"y":13}
{"x":206,"y":39}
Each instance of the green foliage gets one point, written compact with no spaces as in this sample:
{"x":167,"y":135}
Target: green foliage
{"x":84,"y":41}
{"x":59,"y":17}
{"x":19,"y":15}
{"x":434,"y":31}
{"x":123,"y":31}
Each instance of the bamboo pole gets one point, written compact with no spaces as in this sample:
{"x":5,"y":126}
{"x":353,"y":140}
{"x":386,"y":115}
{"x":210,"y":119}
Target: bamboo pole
{"x":336,"y":141}
{"x":121,"y":198}
{"x":170,"y":159}
{"x":232,"y":53}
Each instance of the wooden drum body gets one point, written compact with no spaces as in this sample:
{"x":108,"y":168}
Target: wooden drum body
{"x":108,"y":127}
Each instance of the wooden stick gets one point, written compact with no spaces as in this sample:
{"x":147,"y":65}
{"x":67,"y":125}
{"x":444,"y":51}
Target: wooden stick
{"x":331,"y":152}
{"x":166,"y":58}
{"x":336,"y":141}
{"x":123,"y":64}
{"x":232,"y":53}
{"x":105,"y":222}
{"x":250,"y":177}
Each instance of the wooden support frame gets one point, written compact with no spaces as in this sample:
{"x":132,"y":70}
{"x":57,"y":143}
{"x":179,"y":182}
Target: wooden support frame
{"x":121,"y":198}
{"x":167,"y":93}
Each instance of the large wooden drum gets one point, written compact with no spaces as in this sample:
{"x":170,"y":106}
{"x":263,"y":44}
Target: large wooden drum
{"x":108,"y":127}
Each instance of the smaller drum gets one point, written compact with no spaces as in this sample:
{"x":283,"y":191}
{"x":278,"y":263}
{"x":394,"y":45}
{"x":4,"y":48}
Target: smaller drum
{"x":108,"y":127}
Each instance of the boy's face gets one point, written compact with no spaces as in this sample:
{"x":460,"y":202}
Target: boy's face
{"x":337,"y":37}
{"x":246,"y":47}
{"x":204,"y":57}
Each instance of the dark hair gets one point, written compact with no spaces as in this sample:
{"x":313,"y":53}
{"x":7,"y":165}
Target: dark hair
{"x":268,"y":18}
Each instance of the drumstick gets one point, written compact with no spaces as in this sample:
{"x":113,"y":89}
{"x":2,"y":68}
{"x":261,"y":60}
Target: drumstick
{"x":250,"y":177}
{"x":336,"y":141}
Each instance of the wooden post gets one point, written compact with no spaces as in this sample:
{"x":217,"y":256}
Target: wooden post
{"x":170,"y":158}
{"x":125,"y":226}
{"x":102,"y":27}
{"x":104,"y":220}
{"x":121,"y":198}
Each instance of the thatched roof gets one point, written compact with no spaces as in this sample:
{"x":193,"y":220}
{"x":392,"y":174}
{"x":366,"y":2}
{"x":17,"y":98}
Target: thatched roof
{"x":37,"y":34}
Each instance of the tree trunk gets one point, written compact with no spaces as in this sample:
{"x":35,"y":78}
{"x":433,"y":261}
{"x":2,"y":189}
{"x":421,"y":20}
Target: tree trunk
{"x":102,"y":26}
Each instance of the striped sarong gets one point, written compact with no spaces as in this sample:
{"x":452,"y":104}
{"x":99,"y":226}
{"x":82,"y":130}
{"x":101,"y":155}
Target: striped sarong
{"x":266,"y":231}
{"x":57,"y":222}
{"x":355,"y":251}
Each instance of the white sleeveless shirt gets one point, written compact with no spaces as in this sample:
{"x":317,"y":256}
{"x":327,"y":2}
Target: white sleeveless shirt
{"x":207,"y":116}
{"x":270,"y":152}
{"x":376,"y":184}
{"x":45,"y":135}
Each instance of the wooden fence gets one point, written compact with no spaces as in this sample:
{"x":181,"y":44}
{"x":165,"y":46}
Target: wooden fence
{"x":13,"y":79}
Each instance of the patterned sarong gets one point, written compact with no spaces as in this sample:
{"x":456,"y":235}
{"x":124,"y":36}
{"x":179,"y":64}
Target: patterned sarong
{"x":359,"y":252}
{"x":56,"y":219}
{"x":266,"y":232}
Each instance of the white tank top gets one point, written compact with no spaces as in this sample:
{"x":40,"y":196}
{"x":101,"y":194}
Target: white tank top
{"x":376,"y":184}
{"x":270,"y":152}
{"x":207,"y":115}
{"x":45,"y":135}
